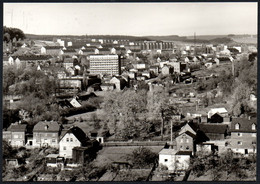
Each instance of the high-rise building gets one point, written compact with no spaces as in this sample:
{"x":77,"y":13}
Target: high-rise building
{"x":105,"y":64}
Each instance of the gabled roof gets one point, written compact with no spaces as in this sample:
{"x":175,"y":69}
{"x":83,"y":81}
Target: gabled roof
{"x":17,"y":128}
{"x":46,"y":126}
{"x":213,"y":128}
{"x":245,"y":124}
{"x":78,"y":133}
{"x":188,"y":133}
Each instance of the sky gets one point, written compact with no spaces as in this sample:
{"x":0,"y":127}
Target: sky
{"x":136,"y":19}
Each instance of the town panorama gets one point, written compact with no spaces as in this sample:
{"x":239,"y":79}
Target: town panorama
{"x":129,"y":108}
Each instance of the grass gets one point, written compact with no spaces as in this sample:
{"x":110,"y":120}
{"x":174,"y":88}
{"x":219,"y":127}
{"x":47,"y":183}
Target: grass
{"x":110,"y":154}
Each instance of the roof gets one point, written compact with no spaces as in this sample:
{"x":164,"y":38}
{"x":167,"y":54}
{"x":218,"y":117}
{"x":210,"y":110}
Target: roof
{"x":78,"y":133}
{"x":32,"y":57}
{"x":245,"y":124}
{"x":52,"y":156}
{"x":188,"y":133}
{"x":52,"y":47}
{"x":218,"y":110}
{"x":168,"y":152}
{"x":69,"y":50}
{"x":184,"y":153}
{"x":17,"y":128}
{"x":52,"y":126}
{"x":213,"y":128}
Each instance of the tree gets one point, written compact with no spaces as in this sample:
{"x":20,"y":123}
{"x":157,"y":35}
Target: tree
{"x":142,"y":157}
{"x":124,"y":109}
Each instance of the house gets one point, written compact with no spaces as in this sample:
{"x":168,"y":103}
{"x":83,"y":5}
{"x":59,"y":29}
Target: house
{"x":119,"y":82}
{"x":74,"y":137}
{"x":214,"y":131}
{"x":185,"y":142}
{"x":107,"y":87}
{"x":17,"y":134}
{"x":216,"y":118}
{"x":154,"y":69}
{"x":75,"y":103}
{"x":174,"y":160}
{"x":243,"y":135}
{"x":221,"y":111}
{"x":51,"y":50}
{"x":46,"y":134}
{"x":167,"y":70}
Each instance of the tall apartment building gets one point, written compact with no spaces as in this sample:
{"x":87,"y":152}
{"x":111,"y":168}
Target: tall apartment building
{"x":105,"y":64}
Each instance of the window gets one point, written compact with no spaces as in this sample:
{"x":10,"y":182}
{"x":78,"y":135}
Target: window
{"x":187,"y":140}
{"x":187,"y":148}
{"x":239,"y":134}
{"x":237,"y":126}
{"x":181,"y":140}
{"x":253,"y":126}
{"x":165,"y":160}
{"x":68,"y":139}
{"x":53,"y":135}
{"x":15,"y":136}
{"x":239,"y":143}
{"x":64,"y":148}
{"x":71,"y":139}
{"x":53,"y":140}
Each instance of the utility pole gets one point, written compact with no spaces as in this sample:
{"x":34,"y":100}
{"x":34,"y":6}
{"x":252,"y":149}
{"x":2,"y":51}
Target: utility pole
{"x":171,"y":135}
{"x":195,"y":43}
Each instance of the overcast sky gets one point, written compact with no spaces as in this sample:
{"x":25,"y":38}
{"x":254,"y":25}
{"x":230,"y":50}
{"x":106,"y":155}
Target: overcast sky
{"x":132,"y":18}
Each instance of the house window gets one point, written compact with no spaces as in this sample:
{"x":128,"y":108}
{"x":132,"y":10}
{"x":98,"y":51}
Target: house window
{"x":15,"y":136}
{"x":187,"y":148}
{"x":237,"y":126}
{"x":53,"y":140}
{"x":239,"y":134}
{"x":181,"y":140}
{"x":187,"y":140}
{"x":64,"y":148}
{"x":165,"y":160}
{"x":71,"y":139}
{"x":53,"y":135}
{"x":239,"y":143}
{"x":253,"y":126}
{"x":253,"y":134}
{"x":68,"y":139}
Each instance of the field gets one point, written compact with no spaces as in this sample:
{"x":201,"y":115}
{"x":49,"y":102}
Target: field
{"x":111,"y":154}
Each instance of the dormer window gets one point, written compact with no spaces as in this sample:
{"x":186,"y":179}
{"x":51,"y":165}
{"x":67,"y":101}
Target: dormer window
{"x":237,"y":126}
{"x":253,"y":127}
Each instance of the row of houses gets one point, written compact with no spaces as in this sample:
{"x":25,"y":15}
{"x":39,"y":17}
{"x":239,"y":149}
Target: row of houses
{"x":208,"y":138}
{"x":70,"y":142}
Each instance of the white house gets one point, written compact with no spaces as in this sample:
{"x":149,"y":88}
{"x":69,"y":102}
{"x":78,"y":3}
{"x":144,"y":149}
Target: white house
{"x":113,"y":51}
{"x":74,"y":137}
{"x":96,"y":51}
{"x":174,"y":160}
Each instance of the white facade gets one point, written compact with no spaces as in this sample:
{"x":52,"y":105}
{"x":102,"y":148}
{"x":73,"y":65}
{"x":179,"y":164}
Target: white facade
{"x":168,"y":158}
{"x":101,"y":64}
{"x":67,"y":143}
{"x":43,"y":50}
{"x":75,"y":103}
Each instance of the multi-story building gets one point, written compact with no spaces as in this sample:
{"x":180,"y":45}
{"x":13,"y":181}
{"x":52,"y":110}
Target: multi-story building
{"x":74,"y":137}
{"x":105,"y":64}
{"x":46,"y":133}
{"x":15,"y":134}
{"x":243,"y":135}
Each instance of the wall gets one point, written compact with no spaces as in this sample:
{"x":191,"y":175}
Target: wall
{"x":67,"y":143}
{"x":41,"y":139}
